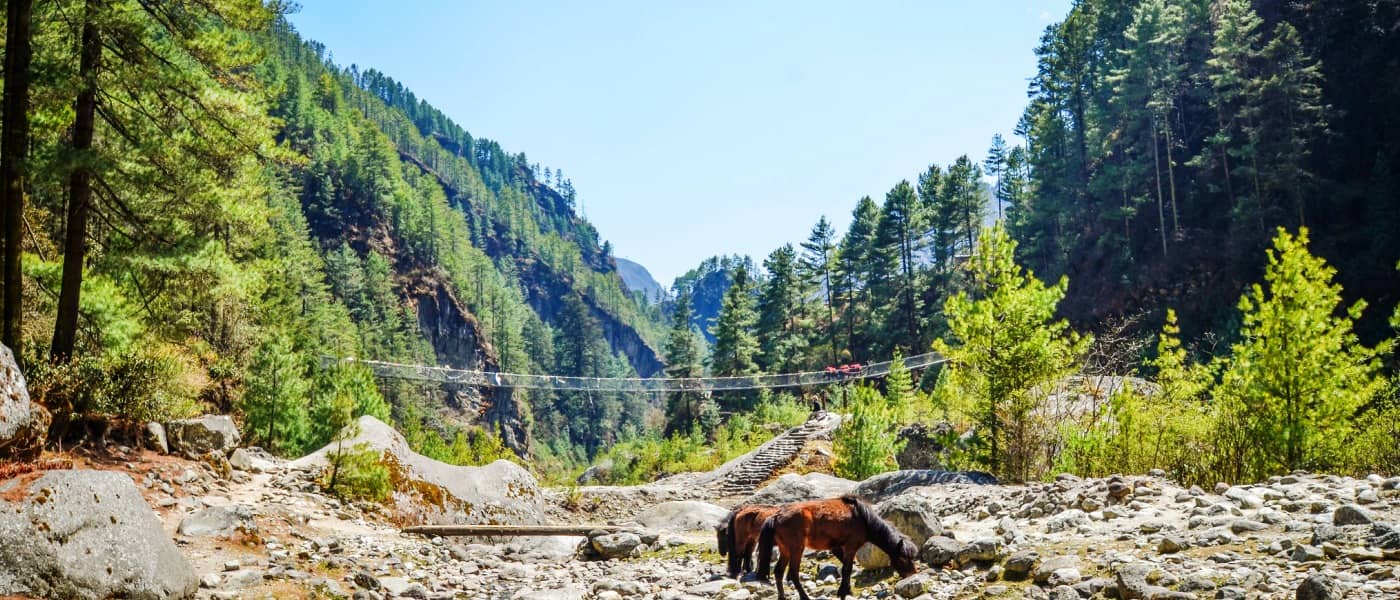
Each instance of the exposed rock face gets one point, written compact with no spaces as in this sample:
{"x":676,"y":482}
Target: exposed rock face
{"x":682,"y":515}
{"x":199,"y":436}
{"x":923,"y":446}
{"x":86,"y":534}
{"x":24,"y":424}
{"x":890,"y":484}
{"x":796,"y":488}
{"x":431,"y":492}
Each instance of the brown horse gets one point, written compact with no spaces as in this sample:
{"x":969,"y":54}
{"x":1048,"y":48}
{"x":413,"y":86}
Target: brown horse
{"x":841,"y":525}
{"x":738,"y":534}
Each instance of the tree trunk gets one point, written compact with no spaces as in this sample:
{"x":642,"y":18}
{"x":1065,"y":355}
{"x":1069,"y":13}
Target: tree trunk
{"x":14,"y":145}
{"x":1171,"y":180}
{"x":79,"y":191}
{"x":1157,"y":172}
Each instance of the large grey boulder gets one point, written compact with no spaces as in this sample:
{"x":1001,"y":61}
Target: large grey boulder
{"x":199,"y":436}
{"x":430,"y":492}
{"x":797,"y":488}
{"x":886,"y":485}
{"x":682,"y":515}
{"x":24,"y":424}
{"x":914,"y":515}
{"x":86,"y":534}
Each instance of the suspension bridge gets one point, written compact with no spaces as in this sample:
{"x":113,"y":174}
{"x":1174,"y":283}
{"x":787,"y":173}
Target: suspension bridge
{"x":496,"y":379}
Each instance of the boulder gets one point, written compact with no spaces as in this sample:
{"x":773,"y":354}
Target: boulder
{"x":199,"y":436}
{"x":1047,"y":568}
{"x":1351,"y":514}
{"x":1132,"y":581}
{"x":1319,"y":587}
{"x":914,"y":585}
{"x":887,"y":485}
{"x":219,"y":521}
{"x":914,"y":515}
{"x":154,"y":437}
{"x":254,"y":460}
{"x":682,"y":515}
{"x":616,"y":545}
{"x":796,"y":488}
{"x":983,"y":549}
{"x":86,"y":534}
{"x":24,"y":424}
{"x":1020,"y":564}
{"x":434,"y":493}
{"x":939,"y":550}
{"x":595,"y":474}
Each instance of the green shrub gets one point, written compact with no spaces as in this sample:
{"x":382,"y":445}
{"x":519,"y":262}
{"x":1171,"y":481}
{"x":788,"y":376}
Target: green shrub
{"x":358,"y":473}
{"x":865,"y":443}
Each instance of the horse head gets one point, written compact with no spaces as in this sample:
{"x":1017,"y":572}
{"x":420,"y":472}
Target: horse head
{"x":903,"y":559}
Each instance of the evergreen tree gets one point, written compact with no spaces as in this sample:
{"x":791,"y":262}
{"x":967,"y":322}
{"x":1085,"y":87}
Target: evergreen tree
{"x":996,"y":167}
{"x":1298,"y":373}
{"x":856,"y":256}
{"x":683,"y":356}
{"x":735,"y":346}
{"x":274,"y":405}
{"x":817,"y":262}
{"x":898,"y":239}
{"x":1009,"y":350}
{"x":14,"y":150}
{"x":781,"y":313}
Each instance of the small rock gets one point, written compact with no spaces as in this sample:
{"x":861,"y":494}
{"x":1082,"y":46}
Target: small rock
{"x":1307,"y":553}
{"x":617,"y":545}
{"x":1047,"y":568}
{"x":1064,"y":577}
{"x":1172,"y":543}
{"x":982,"y":549}
{"x":940,"y":550}
{"x":1319,"y":587}
{"x":1020,"y":563}
{"x":1351,"y":514}
{"x":914,"y":585}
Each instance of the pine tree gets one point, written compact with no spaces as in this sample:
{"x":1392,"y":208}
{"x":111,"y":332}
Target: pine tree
{"x":855,"y":256}
{"x":1009,"y":349}
{"x":735,"y":346}
{"x":898,"y":238}
{"x":274,"y":405}
{"x":14,"y":150}
{"x":817,"y":262}
{"x":996,"y":167}
{"x":1299,"y":372}
{"x":682,"y":361}
{"x":781,"y":313}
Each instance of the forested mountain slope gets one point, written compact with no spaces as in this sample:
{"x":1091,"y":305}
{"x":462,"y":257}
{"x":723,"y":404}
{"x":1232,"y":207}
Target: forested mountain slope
{"x":251,"y":211}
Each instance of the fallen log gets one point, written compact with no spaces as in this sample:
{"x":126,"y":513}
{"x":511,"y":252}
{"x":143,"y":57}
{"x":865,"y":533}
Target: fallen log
{"x":512,"y":530}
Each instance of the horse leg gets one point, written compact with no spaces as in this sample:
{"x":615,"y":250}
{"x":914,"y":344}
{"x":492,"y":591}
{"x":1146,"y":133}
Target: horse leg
{"x":794,"y":575}
{"x":747,"y":556}
{"x":778,"y":578}
{"x":847,"y":564}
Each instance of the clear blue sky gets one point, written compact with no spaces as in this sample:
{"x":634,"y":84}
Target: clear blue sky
{"x":696,"y":128}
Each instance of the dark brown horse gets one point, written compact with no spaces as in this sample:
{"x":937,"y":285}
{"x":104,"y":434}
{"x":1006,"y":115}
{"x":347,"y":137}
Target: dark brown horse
{"x":738,"y":534}
{"x":841,"y":525}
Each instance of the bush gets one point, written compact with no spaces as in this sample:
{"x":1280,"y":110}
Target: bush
{"x":143,"y":384}
{"x":865,"y":443}
{"x":358,"y":473}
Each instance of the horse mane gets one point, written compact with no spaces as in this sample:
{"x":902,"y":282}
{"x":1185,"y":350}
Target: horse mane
{"x":879,"y":531}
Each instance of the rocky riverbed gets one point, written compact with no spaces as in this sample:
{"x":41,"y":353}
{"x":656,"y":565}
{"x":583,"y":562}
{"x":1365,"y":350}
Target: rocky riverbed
{"x":260,"y":527}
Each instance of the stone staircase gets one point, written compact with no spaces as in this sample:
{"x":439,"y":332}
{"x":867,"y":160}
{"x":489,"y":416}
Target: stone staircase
{"x":775,"y":454}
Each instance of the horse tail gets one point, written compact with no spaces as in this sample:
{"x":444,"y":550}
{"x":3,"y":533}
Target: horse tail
{"x":732,"y":542}
{"x":765,"y":545}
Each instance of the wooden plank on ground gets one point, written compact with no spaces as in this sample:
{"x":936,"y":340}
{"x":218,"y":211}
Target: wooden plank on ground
{"x":511,"y":530}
